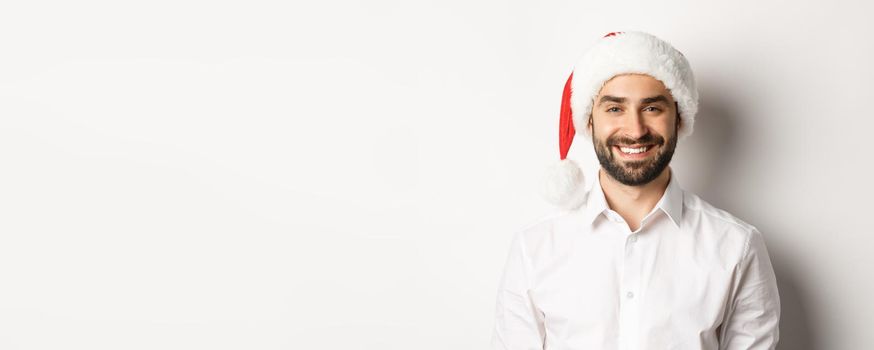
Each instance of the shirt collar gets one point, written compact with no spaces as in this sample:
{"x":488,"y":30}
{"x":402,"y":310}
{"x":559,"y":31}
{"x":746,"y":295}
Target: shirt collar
{"x":671,"y":202}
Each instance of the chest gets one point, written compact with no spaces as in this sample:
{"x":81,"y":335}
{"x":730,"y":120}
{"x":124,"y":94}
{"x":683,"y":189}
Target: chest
{"x":657,"y":285}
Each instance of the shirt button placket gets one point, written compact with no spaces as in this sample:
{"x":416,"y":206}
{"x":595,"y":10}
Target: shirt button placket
{"x":629,"y":304}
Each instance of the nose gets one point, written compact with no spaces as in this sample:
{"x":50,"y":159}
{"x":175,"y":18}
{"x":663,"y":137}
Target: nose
{"x":634,"y":126}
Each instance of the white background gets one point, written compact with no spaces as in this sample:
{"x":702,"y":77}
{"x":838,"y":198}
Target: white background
{"x":348,"y":175}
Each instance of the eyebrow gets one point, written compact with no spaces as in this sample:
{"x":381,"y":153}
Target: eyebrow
{"x":608,"y":98}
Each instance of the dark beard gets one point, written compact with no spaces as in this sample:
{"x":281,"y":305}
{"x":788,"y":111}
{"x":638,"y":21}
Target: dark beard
{"x":635,"y":173}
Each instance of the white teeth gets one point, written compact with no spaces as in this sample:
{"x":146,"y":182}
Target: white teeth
{"x":633,"y":150}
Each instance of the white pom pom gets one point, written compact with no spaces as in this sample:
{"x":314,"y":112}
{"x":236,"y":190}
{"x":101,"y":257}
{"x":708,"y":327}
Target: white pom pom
{"x":565,"y":184}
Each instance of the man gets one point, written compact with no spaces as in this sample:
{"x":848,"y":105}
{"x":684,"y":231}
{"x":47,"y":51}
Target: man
{"x":636,"y":262}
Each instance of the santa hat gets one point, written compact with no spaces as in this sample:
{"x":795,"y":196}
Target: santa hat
{"x":614,"y":54}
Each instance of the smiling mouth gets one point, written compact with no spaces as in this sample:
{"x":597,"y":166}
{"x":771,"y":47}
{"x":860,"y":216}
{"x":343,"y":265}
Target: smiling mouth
{"x":635,"y":151}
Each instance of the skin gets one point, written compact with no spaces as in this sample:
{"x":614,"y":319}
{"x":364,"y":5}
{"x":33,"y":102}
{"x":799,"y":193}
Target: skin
{"x":639,"y":183}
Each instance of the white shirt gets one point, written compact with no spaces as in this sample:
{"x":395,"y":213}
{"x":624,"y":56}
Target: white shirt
{"x":691,"y":277}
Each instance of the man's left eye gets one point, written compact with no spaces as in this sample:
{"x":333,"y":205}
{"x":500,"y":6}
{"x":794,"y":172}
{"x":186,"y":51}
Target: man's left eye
{"x":653,"y":108}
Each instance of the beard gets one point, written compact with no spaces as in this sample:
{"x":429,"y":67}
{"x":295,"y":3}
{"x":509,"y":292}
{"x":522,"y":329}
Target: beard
{"x":635,"y":172}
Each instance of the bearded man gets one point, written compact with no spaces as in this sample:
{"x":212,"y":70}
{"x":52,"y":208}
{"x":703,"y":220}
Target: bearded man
{"x":635,"y":262}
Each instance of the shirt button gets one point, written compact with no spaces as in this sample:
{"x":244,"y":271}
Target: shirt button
{"x":629,"y":295}
{"x":633,"y":238}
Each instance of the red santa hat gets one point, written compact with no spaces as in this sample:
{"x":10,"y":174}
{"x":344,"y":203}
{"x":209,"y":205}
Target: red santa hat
{"x":614,"y":54}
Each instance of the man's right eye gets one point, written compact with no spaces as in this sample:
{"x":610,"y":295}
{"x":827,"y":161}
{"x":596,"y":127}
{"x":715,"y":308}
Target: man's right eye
{"x":612,"y":108}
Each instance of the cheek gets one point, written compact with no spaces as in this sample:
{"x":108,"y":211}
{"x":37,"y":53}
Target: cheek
{"x":603,"y":126}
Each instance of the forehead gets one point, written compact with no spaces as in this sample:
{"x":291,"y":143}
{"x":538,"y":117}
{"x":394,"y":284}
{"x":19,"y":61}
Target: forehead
{"x":634,"y":86}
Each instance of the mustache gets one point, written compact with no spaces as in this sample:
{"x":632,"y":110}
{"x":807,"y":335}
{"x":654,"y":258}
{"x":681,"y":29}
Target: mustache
{"x":647,"y":139}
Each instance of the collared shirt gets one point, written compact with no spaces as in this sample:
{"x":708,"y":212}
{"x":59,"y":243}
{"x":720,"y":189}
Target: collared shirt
{"x":690,"y":277}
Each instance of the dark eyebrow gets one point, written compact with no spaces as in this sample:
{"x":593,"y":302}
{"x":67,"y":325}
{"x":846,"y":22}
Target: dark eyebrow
{"x":608,"y":98}
{"x":659,"y":98}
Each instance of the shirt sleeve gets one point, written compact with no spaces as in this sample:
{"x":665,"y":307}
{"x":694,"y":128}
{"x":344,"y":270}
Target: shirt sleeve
{"x":518,"y":323}
{"x":754,"y":316}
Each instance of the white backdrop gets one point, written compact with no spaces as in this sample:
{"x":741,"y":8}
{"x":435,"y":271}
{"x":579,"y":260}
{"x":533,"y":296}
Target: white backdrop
{"x":348,"y":175}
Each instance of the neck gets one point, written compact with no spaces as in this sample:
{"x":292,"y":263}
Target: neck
{"x":633,"y":202}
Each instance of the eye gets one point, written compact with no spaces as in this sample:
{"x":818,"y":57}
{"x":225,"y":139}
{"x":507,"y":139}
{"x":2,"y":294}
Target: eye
{"x":611,"y":109}
{"x":654,"y":109}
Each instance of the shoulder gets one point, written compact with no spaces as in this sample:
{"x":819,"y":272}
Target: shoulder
{"x":548,"y":229}
{"x":710,"y":220}
{"x":697,"y":206}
